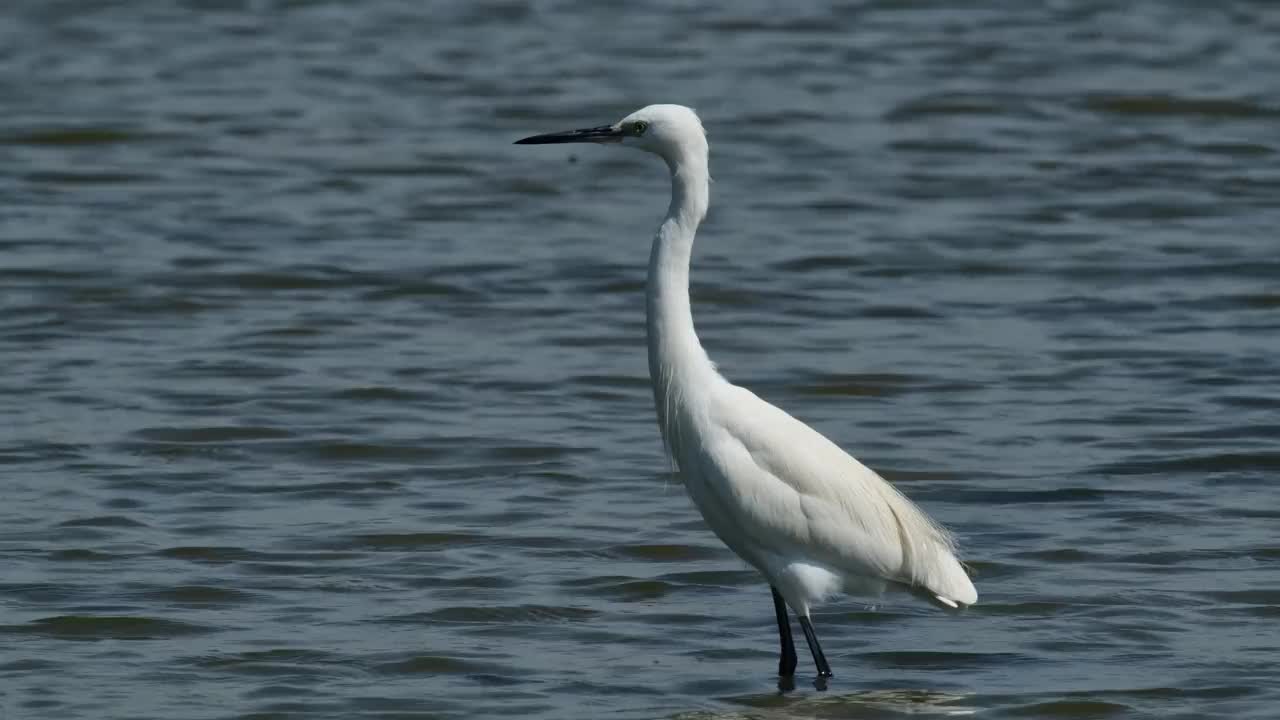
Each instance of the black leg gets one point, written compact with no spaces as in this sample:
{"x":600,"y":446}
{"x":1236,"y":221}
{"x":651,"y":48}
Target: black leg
{"x":824,"y":670}
{"x":787,"y":660}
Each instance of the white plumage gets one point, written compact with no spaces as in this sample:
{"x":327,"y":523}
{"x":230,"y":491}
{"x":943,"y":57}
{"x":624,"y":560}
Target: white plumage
{"x":811,"y":518}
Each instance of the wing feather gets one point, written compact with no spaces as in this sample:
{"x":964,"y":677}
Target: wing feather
{"x":850,"y":517}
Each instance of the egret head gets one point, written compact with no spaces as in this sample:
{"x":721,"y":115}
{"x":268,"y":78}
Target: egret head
{"x":671,"y":131}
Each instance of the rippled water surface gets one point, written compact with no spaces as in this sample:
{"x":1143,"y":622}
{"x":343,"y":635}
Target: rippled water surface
{"x":321,"y":399}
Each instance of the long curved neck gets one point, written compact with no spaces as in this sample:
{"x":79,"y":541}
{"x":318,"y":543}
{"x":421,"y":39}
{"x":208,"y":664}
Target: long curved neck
{"x":678,"y":366}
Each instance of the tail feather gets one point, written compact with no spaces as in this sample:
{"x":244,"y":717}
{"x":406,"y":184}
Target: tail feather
{"x":947,"y":581}
{"x":941,"y":602}
{"x":929,"y":554}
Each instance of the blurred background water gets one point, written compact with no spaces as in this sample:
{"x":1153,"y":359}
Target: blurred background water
{"x":321,"y":399}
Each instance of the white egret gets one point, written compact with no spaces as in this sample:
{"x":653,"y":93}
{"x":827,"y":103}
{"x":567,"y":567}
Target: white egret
{"x":812,"y":519}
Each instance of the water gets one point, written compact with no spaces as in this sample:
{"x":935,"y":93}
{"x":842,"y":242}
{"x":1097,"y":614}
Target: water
{"x":321,"y":399}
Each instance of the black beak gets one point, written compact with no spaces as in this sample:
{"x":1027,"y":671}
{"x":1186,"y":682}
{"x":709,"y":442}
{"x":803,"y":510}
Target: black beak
{"x":602,"y":134}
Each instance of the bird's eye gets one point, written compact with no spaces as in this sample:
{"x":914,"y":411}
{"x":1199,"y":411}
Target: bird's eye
{"x":639,"y":127}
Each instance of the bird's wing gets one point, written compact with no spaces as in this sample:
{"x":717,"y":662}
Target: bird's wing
{"x":808,"y":492}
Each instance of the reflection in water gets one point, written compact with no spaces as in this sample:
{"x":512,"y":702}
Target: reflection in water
{"x":869,"y":704}
{"x":319,"y":399}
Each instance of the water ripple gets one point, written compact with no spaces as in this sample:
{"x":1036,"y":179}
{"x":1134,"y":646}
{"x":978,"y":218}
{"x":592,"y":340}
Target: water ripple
{"x":321,"y":399}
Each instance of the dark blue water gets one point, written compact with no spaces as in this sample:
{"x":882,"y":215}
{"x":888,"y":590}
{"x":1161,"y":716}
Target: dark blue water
{"x":321,"y":399}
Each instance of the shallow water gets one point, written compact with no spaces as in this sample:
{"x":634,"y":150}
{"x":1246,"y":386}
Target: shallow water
{"x":323,"y":400}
